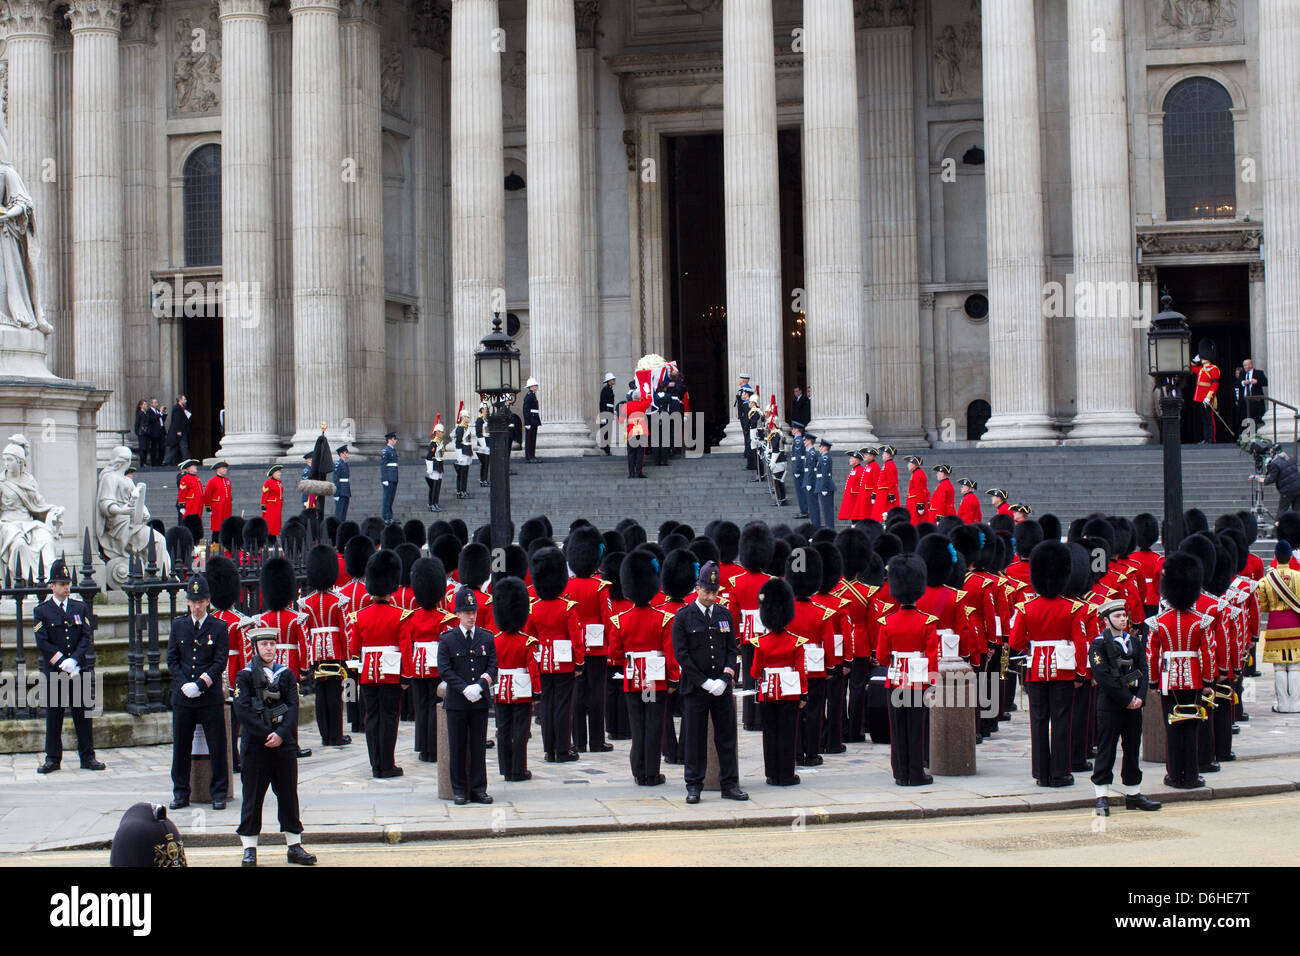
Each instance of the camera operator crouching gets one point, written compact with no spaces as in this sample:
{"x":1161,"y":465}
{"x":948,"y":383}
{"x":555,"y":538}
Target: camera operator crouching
{"x":1280,"y":469}
{"x":266,"y":699}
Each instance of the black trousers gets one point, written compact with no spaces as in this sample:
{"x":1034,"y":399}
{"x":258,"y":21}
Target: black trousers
{"x":341,"y":510}
{"x":1050,"y":703}
{"x":462,"y":478}
{"x":589,"y":704}
{"x":859,"y":675}
{"x":353,"y":707}
{"x":749,"y":704}
{"x":810,"y":720}
{"x":557,"y":713}
{"x":274,"y":767}
{"x":1207,"y":423}
{"x":329,"y":709}
{"x":59,"y":697}
{"x":991,"y":692}
{"x":156,"y":451}
{"x":671,"y":750}
{"x":212,"y":719}
{"x":381,"y":703}
{"x":1080,"y":710}
{"x":530,"y":442}
{"x":512,"y":737}
{"x":424,"y":697}
{"x":833,"y":726}
{"x":780,"y":721}
{"x":907,"y":738}
{"x":1224,"y":715}
{"x":467,"y":738}
{"x":1009,"y":682}
{"x":1181,"y":762}
{"x":234,"y":735}
{"x":635,"y":458}
{"x":698,"y":707}
{"x":483,"y":467}
{"x":646,"y":715}
{"x":1205,"y":739}
{"x":435,"y":489}
{"x":616,"y":722}
{"x":1116,"y":725}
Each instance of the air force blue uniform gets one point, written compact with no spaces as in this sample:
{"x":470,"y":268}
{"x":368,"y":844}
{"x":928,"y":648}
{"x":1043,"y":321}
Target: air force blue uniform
{"x":388,"y":476}
{"x":824,"y":491}
{"x":342,"y":489}
{"x":797,"y":453}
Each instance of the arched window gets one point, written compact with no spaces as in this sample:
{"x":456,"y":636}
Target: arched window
{"x":202,"y":206}
{"x":977,"y":419}
{"x":1200,"y":158}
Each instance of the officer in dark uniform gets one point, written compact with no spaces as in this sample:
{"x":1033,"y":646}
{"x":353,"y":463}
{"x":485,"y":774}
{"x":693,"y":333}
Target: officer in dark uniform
{"x":798,"y":452}
{"x":64,"y":640}
{"x":532,"y":420}
{"x":467,"y":664}
{"x":388,"y":476}
{"x":659,"y":417}
{"x":342,"y":483}
{"x":707,"y":649}
{"x":811,"y":463}
{"x":266,"y":699}
{"x":824,"y":486}
{"x":1119,"y":666}
{"x":197,"y":653}
{"x":608,"y":413}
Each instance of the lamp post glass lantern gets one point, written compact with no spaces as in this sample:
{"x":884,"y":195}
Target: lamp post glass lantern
{"x":496,"y":379}
{"x":1168,"y":362}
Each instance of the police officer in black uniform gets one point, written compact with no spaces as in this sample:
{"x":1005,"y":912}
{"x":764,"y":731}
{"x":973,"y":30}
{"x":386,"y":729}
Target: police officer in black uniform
{"x":64,"y":640}
{"x":197,"y":653}
{"x":1119,"y":666}
{"x":707,"y":649}
{"x":467,"y":665}
{"x":266,"y":699}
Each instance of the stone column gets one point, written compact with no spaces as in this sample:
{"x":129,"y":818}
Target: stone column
{"x":363,"y":235}
{"x":97,"y":211}
{"x":1258,"y":316}
{"x":928,"y":344}
{"x":893,"y":293}
{"x":837,"y":372}
{"x":555,"y":303}
{"x":1279,"y":78}
{"x":29,"y":47}
{"x":752,"y":205}
{"x":247,"y":234}
{"x":1013,"y":184}
{"x":587,"y":16}
{"x":478,"y":211}
{"x":320,"y":341}
{"x":1102,"y":221}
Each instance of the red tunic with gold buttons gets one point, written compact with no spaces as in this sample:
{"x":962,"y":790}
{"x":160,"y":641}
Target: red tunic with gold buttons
{"x":908,"y":630}
{"x":376,"y":629}
{"x":949,"y":606}
{"x":777,"y":650}
{"x":1207,"y":382}
{"x":857,"y":611}
{"x":1180,"y":655}
{"x":216,"y":498}
{"x":516,"y":652}
{"x":291,"y":644}
{"x":404,"y":598}
{"x":588,"y":597}
{"x":417,"y":636}
{"x":1150,"y":566}
{"x":272,"y":503}
{"x":357,"y":597}
{"x":744,"y":597}
{"x":813,"y":622}
{"x":918,"y":496}
{"x":1218,"y":635}
{"x":837,"y":652}
{"x":189,"y":494}
{"x":980,"y":589}
{"x":968,"y":509}
{"x":639,"y":631}
{"x":942,"y":502}
{"x":240,"y":652}
{"x":484,"y":600}
{"x":556,"y":621}
{"x":1044,"y":626}
{"x":326,"y":627}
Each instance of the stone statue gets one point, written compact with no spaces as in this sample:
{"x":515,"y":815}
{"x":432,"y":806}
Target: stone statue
{"x":19,"y":303}
{"x":122,"y":521}
{"x":29,"y":525}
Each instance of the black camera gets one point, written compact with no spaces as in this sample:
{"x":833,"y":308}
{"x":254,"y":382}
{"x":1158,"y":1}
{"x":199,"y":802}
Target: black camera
{"x":1261,"y":451}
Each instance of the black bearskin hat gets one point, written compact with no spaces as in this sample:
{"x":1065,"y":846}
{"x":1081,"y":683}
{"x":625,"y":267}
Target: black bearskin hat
{"x":446,"y":548}
{"x":947,"y":523}
{"x":549,"y":572}
{"x":1081,"y":563}
{"x":231,"y":533}
{"x":510,"y":604}
{"x":1225,"y":564}
{"x":293,"y":536}
{"x":582,"y":550}
{"x":1201,"y":547}
{"x":530,"y":531}
{"x":373,"y":528}
{"x":652,"y":548}
{"x":680,"y":572}
{"x":727,"y":536}
{"x":855,"y":551}
{"x":355,"y":555}
{"x":322,"y":568}
{"x":440,"y":527}
{"x":1051,"y":527}
{"x":279,"y":584}
{"x":832,"y":566}
{"x":613,"y":541}
{"x":180,"y":545}
{"x":665,"y":529}
{"x":345,"y":533}
{"x":256,"y":532}
{"x":1194,"y":520}
{"x":907,"y":575}
{"x":1125,"y":535}
{"x":461,"y":530}
{"x":926,"y":527}
{"x":1180,"y":580}
{"x":483,"y":535}
{"x":633,"y":534}
{"x":906,"y":534}
{"x":1049,"y":567}
{"x":756,"y":546}
{"x":413,"y":531}
{"x":775,"y":605}
{"x":1146,"y":530}
{"x":610,"y":567}
{"x":1249,"y":524}
{"x":887,"y":546}
{"x":429,"y":583}
{"x":874,"y":572}
{"x":474,"y":566}
{"x":704,"y":550}
{"x":640,"y":577}
{"x":383,"y":573}
{"x":939,"y":556}
{"x":194,"y":523}
{"x":1005,"y":524}
{"x":391,"y":537}
{"x":515,"y":561}
{"x":780,"y":553}
{"x":408,"y":554}
{"x":1028,"y":535}
{"x":673,"y":542}
{"x":803,"y":569}
{"x":1288,"y":528}
{"x":331,"y":528}
{"x":968,"y":540}
{"x":685,"y":530}
{"x":223,"y":582}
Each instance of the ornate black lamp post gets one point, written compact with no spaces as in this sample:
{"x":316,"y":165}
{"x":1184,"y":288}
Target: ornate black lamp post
{"x":1168,"y":361}
{"x":497,"y":379}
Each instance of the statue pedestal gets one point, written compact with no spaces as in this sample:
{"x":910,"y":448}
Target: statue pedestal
{"x":1154,"y":728}
{"x":58,"y":417}
{"x":952,"y":720}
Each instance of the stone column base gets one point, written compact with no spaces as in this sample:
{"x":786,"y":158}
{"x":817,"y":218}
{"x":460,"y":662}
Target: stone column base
{"x":250,"y":449}
{"x":849,"y":432}
{"x":1107,"y":428}
{"x":1006,"y":431}
{"x":565,"y":440}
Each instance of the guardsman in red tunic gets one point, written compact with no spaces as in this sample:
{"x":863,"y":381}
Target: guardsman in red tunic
{"x":677,"y":578}
{"x":909,"y":647}
{"x":1149,"y":563}
{"x":1181,"y":662}
{"x":856,"y":591}
{"x":518,"y":677}
{"x":374,"y":646}
{"x":998,"y":499}
{"x":852,"y":487}
{"x":727,"y":537}
{"x":224,"y":586}
{"x":756,"y":549}
{"x":918,"y":489}
{"x":886,"y":483}
{"x":216,"y":498}
{"x":1206,"y":395}
{"x":782,"y":682}
{"x":553,"y":620}
{"x":1206,"y":550}
{"x":404,"y":596}
{"x":968,"y":508}
{"x":866,"y":503}
{"x":613,"y":604}
{"x":279,"y":590}
{"x":839,"y":652}
{"x":356,"y":553}
{"x":189,"y":491}
{"x":982,"y":587}
{"x":803,"y":572}
{"x":327,"y":642}
{"x":582,"y":551}
{"x":947,"y":603}
{"x":272,"y":501}
{"x":1049,"y":628}
{"x":418,"y":639}
{"x":642,"y":644}
{"x":943,"y":501}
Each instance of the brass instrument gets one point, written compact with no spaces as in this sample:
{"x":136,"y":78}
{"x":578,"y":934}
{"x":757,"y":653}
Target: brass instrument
{"x":1006,"y":659}
{"x":1183,"y":712}
{"x":1225,"y":692}
{"x":330,"y":669}
{"x":1207,"y":697}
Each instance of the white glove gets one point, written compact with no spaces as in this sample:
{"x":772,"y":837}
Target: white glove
{"x":717,"y":686}
{"x":385,"y":484}
{"x":69,"y":666}
{"x":191,"y":689}
{"x":473,"y":692}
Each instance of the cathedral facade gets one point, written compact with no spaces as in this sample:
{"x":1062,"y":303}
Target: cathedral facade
{"x":950,"y":220}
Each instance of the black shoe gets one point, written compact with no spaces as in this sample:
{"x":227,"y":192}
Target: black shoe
{"x":1005,"y":715}
{"x":343,"y":741}
{"x":901,"y":781}
{"x":1196,"y":784}
{"x":1139,"y":802}
{"x":1227,"y":757}
{"x":855,"y":740}
{"x":1066,"y":781}
{"x":655,"y":781}
{"x":520,"y":777}
{"x":180,"y":803}
{"x":304,"y":752}
{"x":692,"y":794}
{"x":250,"y":857}
{"x":461,"y":800}
{"x":793,"y":781}
{"x":1213,"y":767}
{"x":836,"y":750}
{"x":93,"y":764}
{"x":813,"y":761}
{"x":219,"y":804}
{"x":1082,"y":767}
{"x":734,"y":793}
{"x":48,"y":767}
{"x":426,"y":758}
{"x":479,"y":798}
{"x":490,"y":744}
{"x":1103,"y":807}
{"x":391,"y":772}
{"x":568,"y":756}
{"x":1244,"y":719}
{"x":771,"y":782}
{"x":603,"y":748}
{"x":298,"y":855}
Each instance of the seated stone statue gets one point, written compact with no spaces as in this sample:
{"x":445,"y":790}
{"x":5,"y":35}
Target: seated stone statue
{"x":29,"y":525}
{"x":121,"y":518}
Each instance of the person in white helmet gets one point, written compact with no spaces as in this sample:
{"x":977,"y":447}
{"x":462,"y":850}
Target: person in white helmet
{"x":532,"y":421}
{"x":608,"y":413}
